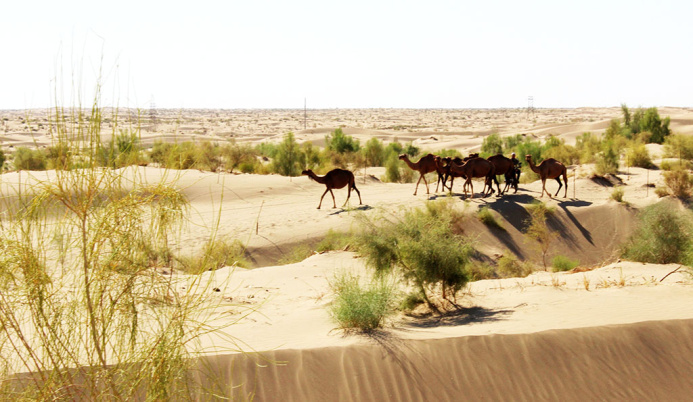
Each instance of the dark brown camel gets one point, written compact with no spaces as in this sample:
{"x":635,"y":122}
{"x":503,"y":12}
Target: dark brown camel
{"x":550,"y":169}
{"x":335,"y":178}
{"x":458,"y":161}
{"x":426,"y":164}
{"x":473,"y":168}
{"x":442,"y":170}
{"x":502,"y":165}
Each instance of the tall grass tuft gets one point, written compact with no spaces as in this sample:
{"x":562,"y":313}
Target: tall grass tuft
{"x":563,"y":263}
{"x":84,"y":311}
{"x":362,"y":307}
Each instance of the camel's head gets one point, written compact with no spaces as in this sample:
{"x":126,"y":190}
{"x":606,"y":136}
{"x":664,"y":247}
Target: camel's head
{"x":403,"y":157}
{"x":306,"y":172}
{"x":528,"y":158}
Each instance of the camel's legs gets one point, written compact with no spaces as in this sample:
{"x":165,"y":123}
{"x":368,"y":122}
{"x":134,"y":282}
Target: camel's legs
{"x":323,"y":196}
{"x":359,"y":193}
{"x":334,"y":202}
{"x":417,"y":184}
{"x":543,"y":189}
{"x":558,"y":179}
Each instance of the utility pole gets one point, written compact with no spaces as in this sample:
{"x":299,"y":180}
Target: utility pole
{"x":530,"y":106}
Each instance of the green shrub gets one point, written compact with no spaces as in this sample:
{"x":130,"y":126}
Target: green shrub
{"x":29,"y":159}
{"x":341,"y":143}
{"x":422,"y":246}
{"x":617,"y":194}
{"x":364,"y":308}
{"x":480,"y":271}
{"x":393,"y":174}
{"x":663,"y":235}
{"x":510,"y":267}
{"x":491,"y":145}
{"x":215,"y":254}
{"x":334,"y":240}
{"x":411,"y":301}
{"x":297,"y":254}
{"x":487,"y":218}
{"x":563,"y":263}
{"x":638,"y":156}
{"x":607,"y":162}
{"x":679,"y":183}
{"x":289,"y":158}
{"x":679,"y":146}
{"x":537,"y":228}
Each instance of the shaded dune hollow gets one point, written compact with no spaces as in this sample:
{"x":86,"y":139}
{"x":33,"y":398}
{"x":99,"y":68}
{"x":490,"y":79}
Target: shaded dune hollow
{"x":650,"y":360}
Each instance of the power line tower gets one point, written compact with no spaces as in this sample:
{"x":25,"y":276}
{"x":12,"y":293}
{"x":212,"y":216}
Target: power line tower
{"x":152,"y":116}
{"x":530,"y":106}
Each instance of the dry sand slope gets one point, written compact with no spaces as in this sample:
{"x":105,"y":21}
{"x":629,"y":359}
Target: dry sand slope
{"x":614,"y":332}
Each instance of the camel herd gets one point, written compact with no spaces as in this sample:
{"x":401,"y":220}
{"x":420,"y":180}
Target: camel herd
{"x":448,"y":169}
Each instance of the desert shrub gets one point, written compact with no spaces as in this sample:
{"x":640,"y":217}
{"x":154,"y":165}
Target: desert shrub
{"x":617,"y":194}
{"x":374,"y":152}
{"x":663,"y":235}
{"x":208,"y":156}
{"x":679,"y":146}
{"x":411,"y":301}
{"x":567,"y":154}
{"x":588,"y":146}
{"x":362,"y":307}
{"x":29,"y":159}
{"x":334,"y":240}
{"x":296,"y":254}
{"x":238,"y":156}
{"x":393,"y":172}
{"x":638,"y":156}
{"x":679,"y":183}
{"x":607,"y":162}
{"x":215,"y":254}
{"x":563,"y":263}
{"x":651,"y":122}
{"x":422,"y":246}
{"x":289,"y":158}
{"x":3,"y":158}
{"x":487,"y":218}
{"x":510,"y":267}
{"x":538,"y":230}
{"x":341,"y":143}
{"x":491,"y":145}
{"x":479,"y":271}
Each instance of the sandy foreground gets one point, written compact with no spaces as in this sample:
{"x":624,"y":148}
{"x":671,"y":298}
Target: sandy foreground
{"x":617,"y":330}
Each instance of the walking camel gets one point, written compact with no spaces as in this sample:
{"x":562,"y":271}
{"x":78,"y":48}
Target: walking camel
{"x":550,"y":169}
{"x":426,"y":164}
{"x":473,"y":168}
{"x":335,"y":178}
{"x":503,"y":165}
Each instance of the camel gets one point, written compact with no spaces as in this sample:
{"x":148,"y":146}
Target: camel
{"x":335,"y":178}
{"x":443,"y":171}
{"x":458,"y":161}
{"x":426,"y":164}
{"x":502,"y":165}
{"x":550,"y":169}
{"x":475,"y":167}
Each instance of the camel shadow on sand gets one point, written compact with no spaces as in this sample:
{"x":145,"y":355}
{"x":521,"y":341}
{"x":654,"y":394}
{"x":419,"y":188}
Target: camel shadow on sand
{"x":461,"y":316}
{"x":359,"y":208}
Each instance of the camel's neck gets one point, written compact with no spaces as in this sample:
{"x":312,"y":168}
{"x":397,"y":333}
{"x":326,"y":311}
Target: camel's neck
{"x":413,"y":166}
{"x":533,"y":166}
{"x":319,"y":179}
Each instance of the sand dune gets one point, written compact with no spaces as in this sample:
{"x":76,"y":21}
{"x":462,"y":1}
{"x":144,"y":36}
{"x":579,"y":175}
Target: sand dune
{"x":616,"y":331}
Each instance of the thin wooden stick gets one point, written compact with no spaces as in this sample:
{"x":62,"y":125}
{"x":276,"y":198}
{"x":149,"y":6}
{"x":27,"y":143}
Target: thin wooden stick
{"x":665,"y":276}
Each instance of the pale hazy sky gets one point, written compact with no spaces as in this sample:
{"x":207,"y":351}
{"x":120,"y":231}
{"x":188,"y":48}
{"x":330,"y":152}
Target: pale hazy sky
{"x":362,"y":54}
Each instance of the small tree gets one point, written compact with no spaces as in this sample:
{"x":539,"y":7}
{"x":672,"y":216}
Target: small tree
{"x":340,"y":142}
{"x":538,"y":229}
{"x":288,"y":158}
{"x":492,"y":145}
{"x":28,"y":159}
